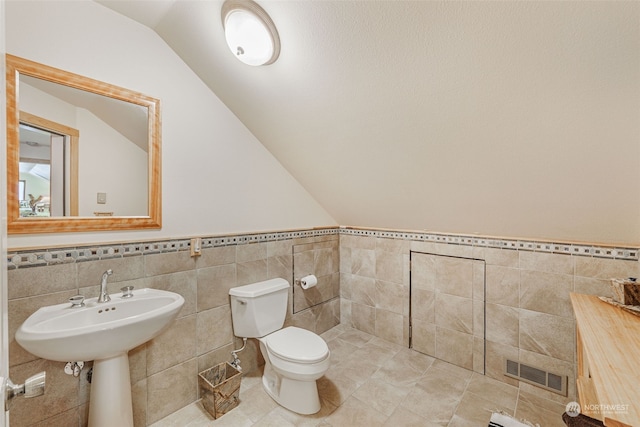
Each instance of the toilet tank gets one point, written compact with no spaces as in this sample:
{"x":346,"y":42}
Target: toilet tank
{"x":259,"y":308}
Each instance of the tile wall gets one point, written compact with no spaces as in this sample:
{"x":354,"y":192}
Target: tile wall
{"x":163,"y":371}
{"x":527,"y":284}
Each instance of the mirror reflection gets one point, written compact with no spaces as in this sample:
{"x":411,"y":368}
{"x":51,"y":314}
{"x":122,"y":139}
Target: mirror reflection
{"x":112,"y":150}
{"x":48,"y":168}
{"x":82,"y":154}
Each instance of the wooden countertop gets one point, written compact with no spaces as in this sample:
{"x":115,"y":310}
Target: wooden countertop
{"x":610,"y":339}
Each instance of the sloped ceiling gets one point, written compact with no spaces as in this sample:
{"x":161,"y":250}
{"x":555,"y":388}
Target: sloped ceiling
{"x":469,"y":117}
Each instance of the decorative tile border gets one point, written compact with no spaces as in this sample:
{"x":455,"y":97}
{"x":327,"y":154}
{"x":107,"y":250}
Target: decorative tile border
{"x":42,"y":257}
{"x":518,"y":245}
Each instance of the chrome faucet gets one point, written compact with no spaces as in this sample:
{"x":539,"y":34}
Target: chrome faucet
{"x":104,"y":296}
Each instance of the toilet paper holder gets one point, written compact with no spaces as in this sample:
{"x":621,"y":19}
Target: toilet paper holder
{"x":307,"y":281}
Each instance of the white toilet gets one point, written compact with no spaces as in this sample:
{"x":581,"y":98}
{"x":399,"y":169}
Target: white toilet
{"x":294,"y":358}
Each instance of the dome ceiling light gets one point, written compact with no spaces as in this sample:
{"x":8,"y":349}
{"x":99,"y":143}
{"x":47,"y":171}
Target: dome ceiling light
{"x":250,"y":32}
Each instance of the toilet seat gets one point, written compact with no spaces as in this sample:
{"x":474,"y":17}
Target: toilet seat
{"x":297,"y":345}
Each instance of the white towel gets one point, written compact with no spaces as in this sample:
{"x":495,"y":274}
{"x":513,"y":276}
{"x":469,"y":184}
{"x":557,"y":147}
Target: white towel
{"x":504,"y":420}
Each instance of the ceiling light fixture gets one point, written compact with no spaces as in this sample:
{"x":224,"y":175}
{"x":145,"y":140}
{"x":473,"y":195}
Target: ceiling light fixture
{"x":250,"y":32}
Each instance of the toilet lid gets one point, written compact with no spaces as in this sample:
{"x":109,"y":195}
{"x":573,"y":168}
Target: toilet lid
{"x":297,"y":345}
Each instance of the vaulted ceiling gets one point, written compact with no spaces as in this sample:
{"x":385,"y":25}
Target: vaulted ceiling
{"x":451,"y":116}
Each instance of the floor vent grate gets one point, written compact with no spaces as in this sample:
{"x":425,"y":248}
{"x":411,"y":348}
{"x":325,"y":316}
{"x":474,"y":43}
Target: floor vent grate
{"x":538,"y":377}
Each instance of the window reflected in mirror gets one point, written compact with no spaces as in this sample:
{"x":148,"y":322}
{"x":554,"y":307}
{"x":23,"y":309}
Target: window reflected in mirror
{"x":48,"y":168}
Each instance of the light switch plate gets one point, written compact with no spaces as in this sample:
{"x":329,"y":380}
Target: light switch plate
{"x":102,"y":198}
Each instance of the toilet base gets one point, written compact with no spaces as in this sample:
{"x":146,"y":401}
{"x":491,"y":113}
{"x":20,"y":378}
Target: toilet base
{"x":297,"y":396}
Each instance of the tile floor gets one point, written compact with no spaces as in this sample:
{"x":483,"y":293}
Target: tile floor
{"x":376,"y":383}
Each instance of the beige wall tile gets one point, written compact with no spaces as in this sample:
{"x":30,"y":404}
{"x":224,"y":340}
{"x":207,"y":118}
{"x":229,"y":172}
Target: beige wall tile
{"x":216,"y":256}
{"x":478,"y":287}
{"x":137,"y":363}
{"x":183,"y":283}
{"x":478,"y":355}
{"x":156,"y":264}
{"x":423,"y":305}
{"x":454,"y":276}
{"x":345,"y":259}
{"x":112,"y":287}
{"x":590,"y":286}
{"x":454,"y":347}
{"x":390,"y":326}
{"x":363,"y":262}
{"x":305,"y":298}
{"x":389,"y":266}
{"x":424,"y":338}
{"x":495,"y":359}
{"x":453,"y":250}
{"x":305,"y":319}
{"x":601,"y":268}
{"x":502,"y":324}
{"x":128,"y":268}
{"x":453,"y":312}
{"x":174,"y":346}
{"x":323,"y":262}
{"x":497,"y":257}
{"x":345,"y":285}
{"x":363,"y":318}
{"x":213,"y":284}
{"x":398,"y":246}
{"x":363,"y":290}
{"x":171,"y":389}
{"x":423,"y":272}
{"x":220,"y":355}
{"x":345,"y":312}
{"x":303,"y":263}
{"x":69,"y":418}
{"x":478,"y":318}
{"x":280,"y":248}
{"x":391,"y":296}
{"x":422,"y":247}
{"x":547,"y":334}
{"x":551,"y":263}
{"x":213,"y":329}
{"x":139,"y":403}
{"x":251,"y":272}
{"x":503,"y":285}
{"x":327,"y":315}
{"x":61,"y":393}
{"x":25,"y":282}
{"x":358,"y":242}
{"x":251,"y":252}
{"x":280,"y":267}
{"x":546,"y":292}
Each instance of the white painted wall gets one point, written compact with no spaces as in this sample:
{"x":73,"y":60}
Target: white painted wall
{"x":217,"y":177}
{"x":111,"y":164}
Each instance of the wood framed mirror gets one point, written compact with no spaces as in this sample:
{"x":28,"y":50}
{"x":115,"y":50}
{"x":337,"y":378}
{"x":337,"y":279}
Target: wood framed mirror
{"x":82,"y":155}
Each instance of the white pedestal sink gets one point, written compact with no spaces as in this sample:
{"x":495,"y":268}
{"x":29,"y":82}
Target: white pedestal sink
{"x":103,"y":332}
